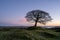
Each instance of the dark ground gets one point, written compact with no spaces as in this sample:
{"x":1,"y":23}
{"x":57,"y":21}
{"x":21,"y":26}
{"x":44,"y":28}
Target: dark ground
{"x":30,"y":33}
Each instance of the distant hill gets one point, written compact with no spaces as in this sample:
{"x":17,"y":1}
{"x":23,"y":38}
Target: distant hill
{"x":56,"y":28}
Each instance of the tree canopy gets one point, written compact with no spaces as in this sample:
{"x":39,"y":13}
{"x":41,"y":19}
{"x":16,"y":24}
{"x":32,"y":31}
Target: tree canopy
{"x":38,"y":16}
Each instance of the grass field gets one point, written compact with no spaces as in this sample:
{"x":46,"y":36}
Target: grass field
{"x":28,"y":34}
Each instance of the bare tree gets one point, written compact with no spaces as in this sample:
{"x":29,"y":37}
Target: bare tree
{"x":38,"y":16}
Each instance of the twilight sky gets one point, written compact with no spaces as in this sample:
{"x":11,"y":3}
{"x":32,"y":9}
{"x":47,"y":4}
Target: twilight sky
{"x":12,"y":12}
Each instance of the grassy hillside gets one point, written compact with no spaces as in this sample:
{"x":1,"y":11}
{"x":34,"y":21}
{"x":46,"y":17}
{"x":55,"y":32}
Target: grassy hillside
{"x":28,"y":34}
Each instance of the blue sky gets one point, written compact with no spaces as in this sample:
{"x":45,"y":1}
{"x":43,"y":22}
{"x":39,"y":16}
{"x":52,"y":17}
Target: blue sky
{"x":14,"y":11}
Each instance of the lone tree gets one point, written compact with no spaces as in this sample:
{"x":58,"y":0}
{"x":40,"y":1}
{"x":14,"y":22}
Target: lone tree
{"x":38,"y":16}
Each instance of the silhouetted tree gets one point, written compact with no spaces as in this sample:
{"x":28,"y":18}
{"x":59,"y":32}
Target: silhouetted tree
{"x":38,"y":16}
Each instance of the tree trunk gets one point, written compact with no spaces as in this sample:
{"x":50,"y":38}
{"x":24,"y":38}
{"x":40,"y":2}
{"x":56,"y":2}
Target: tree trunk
{"x":35,"y":23}
{"x":37,"y":18}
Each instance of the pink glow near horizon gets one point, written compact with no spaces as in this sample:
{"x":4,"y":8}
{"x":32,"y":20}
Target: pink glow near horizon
{"x":23,"y":21}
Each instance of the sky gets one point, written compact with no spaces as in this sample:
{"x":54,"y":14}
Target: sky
{"x":13,"y":12}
